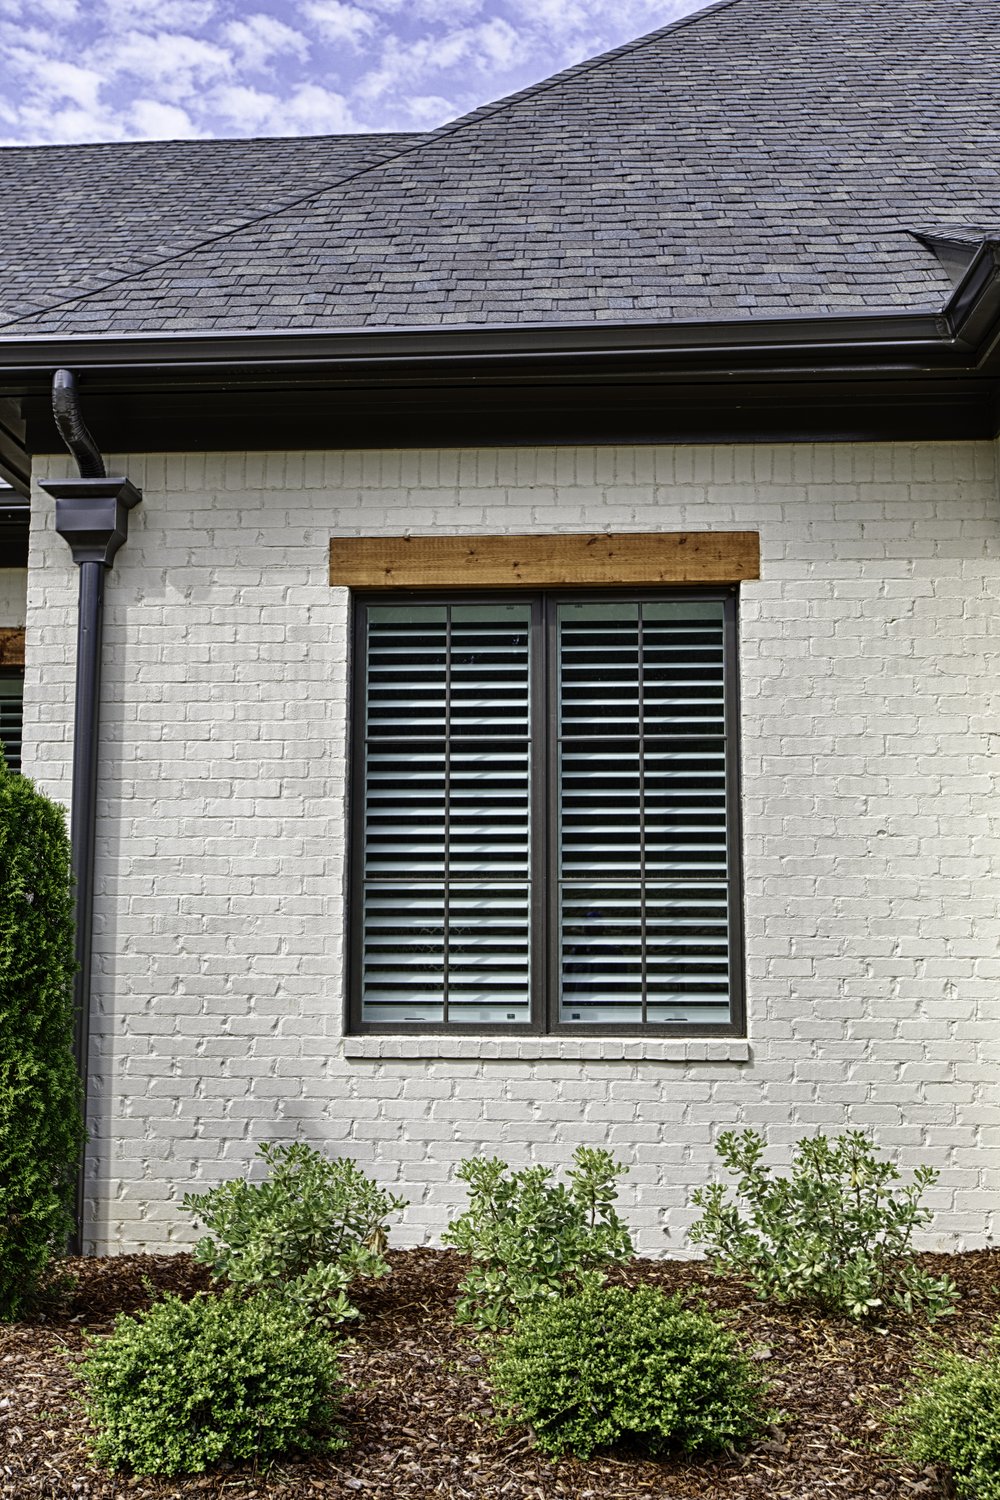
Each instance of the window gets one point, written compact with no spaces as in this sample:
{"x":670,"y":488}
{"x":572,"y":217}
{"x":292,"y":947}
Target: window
{"x":11,"y":696}
{"x":544,"y":813}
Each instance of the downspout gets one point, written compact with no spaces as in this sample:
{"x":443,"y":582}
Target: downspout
{"x":92,"y":517}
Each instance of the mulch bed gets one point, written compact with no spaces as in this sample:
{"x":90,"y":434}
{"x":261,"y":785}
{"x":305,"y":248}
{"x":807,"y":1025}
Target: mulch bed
{"x":419,"y":1412}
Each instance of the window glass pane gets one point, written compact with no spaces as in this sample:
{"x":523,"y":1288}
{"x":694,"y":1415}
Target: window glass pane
{"x":491,"y":614}
{"x":11,"y":707}
{"x":406,"y":614}
{"x":642,"y":817}
{"x":684,"y":610}
{"x":613,"y":609}
{"x":446,"y":802}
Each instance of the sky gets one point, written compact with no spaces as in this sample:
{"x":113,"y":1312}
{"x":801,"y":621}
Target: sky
{"x":109,"y":70}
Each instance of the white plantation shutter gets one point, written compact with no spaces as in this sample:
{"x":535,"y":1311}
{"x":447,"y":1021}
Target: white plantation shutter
{"x":11,"y":702}
{"x":642,"y":846}
{"x":446,"y":808}
{"x":604,"y":900}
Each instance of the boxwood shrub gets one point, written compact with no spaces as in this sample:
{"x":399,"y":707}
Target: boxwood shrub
{"x":190,"y":1383}
{"x":588,"y":1371}
{"x":954,"y":1419}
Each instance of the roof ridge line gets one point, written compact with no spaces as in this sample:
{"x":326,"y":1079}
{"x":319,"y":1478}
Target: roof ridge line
{"x":202,"y":140}
{"x":587,"y":65}
{"x":443,"y":132}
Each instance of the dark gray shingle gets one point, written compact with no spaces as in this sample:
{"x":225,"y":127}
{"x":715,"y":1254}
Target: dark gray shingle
{"x":76,"y":218}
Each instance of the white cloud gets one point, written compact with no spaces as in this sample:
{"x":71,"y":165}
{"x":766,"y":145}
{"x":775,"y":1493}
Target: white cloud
{"x":154,"y":121}
{"x":157,"y":15}
{"x":427,"y":111}
{"x":314,"y":110}
{"x":40,"y":123}
{"x":172,"y":64}
{"x":403,"y":66}
{"x":338,"y":22}
{"x":60,"y":80}
{"x":385,"y":7}
{"x":60,"y":11}
{"x":309,"y":109}
{"x":113,"y":69}
{"x":260,"y":38}
{"x":447,"y":10}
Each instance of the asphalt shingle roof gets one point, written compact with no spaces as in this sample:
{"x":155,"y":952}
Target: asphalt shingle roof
{"x":76,"y":218}
{"x":765,"y":158}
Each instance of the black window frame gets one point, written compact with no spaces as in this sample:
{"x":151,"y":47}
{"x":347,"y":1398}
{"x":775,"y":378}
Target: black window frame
{"x":543,"y":943}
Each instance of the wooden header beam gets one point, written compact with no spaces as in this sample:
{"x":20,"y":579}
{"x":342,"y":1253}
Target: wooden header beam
{"x":633,"y":560}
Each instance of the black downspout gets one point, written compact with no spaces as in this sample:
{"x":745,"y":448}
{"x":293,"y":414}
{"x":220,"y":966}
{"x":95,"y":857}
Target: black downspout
{"x":92,"y":517}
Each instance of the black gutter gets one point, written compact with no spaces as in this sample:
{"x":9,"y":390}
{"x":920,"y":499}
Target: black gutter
{"x":274,"y":348}
{"x":92,"y":517}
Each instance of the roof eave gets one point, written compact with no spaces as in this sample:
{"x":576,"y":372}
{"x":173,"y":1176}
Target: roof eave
{"x":724,"y":373}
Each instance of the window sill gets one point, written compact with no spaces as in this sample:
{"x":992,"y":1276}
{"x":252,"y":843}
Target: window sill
{"x":727,"y":1049}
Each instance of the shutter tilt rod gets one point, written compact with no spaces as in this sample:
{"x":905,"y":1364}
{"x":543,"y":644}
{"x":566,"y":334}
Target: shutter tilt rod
{"x":92,"y":517}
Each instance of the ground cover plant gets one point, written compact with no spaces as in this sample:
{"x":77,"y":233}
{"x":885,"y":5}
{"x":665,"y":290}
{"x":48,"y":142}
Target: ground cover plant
{"x":41,"y":1127}
{"x":836,"y":1232}
{"x":531,"y":1238}
{"x":305,"y":1234}
{"x":419,"y":1412}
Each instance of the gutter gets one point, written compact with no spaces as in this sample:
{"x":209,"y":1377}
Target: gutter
{"x":906,"y":341}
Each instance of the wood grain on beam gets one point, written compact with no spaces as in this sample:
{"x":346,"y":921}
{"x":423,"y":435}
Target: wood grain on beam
{"x":631,"y":559}
{"x":11,"y":647}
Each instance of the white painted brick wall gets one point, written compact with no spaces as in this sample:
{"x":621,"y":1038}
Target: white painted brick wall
{"x":870,"y":684}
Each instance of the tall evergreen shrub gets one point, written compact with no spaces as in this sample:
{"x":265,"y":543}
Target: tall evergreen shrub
{"x":41,"y":1126}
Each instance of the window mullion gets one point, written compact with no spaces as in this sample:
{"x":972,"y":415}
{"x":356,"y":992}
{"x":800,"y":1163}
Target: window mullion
{"x":446,"y":831}
{"x":542,"y":803}
{"x":641,"y":726}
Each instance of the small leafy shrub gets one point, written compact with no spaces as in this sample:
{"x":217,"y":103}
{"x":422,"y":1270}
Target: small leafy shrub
{"x":41,"y":1125}
{"x":835,"y":1233}
{"x":191,"y":1383}
{"x":587,"y":1371}
{"x":304,"y":1234}
{"x":955,"y":1420}
{"x":532,"y":1239}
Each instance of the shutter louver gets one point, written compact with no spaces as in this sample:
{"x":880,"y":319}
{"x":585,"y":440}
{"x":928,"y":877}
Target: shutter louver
{"x":642,"y":845}
{"x":446,"y":909}
{"x":11,"y":712}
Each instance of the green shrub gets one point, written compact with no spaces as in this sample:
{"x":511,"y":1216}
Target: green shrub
{"x":191,"y":1383}
{"x":590,"y":1370}
{"x":41,"y":1126}
{"x":836,"y":1233}
{"x":955,"y":1420}
{"x":305,"y":1233}
{"x":532,"y":1239}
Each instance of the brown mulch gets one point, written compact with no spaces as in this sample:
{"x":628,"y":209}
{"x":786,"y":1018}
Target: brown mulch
{"x":419,"y":1412}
